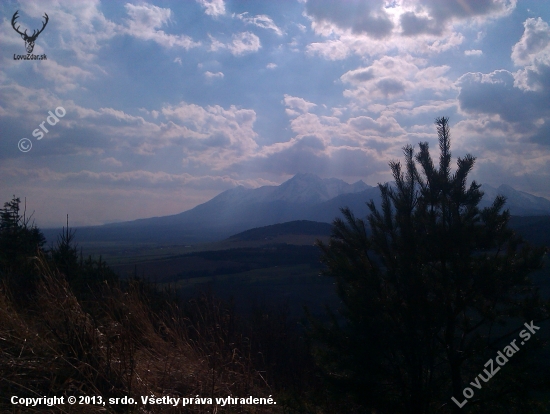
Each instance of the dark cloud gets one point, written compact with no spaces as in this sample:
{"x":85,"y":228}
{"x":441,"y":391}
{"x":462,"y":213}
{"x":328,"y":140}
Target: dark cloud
{"x":390,"y":86}
{"x":542,"y":135}
{"x":448,"y":9}
{"x":359,"y":75}
{"x":537,"y":78}
{"x":361,"y":16}
{"x":413,"y":25}
{"x":497,"y":94}
{"x":441,"y":11}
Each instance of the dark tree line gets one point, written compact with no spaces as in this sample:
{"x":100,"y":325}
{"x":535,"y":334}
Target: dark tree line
{"x":21,"y":242}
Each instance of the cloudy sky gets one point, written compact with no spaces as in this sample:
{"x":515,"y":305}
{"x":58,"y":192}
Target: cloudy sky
{"x":169,"y":103}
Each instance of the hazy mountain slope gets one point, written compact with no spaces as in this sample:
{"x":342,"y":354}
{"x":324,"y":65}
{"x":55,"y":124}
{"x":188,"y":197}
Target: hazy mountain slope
{"x":520,"y":203}
{"x":230,"y":212}
{"x":303,"y":197}
{"x":357,"y":203}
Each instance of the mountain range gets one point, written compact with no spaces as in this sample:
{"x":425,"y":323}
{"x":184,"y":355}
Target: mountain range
{"x":303,"y":197}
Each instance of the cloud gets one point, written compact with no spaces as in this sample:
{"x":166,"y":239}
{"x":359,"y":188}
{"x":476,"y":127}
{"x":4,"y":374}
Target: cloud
{"x":241,"y":44}
{"x":376,"y":28}
{"x":493,"y":93}
{"x":111,"y":161}
{"x":347,"y":43}
{"x":271,"y":65}
{"x":413,"y":25}
{"x":146,"y":20}
{"x":467,"y":9}
{"x":474,"y":52}
{"x":534,"y":45}
{"x":392,"y":76}
{"x":212,"y":135}
{"x":300,"y":104}
{"x":133,"y":178}
{"x":81,"y":27}
{"x":523,"y":111}
{"x":262,"y":20}
{"x":533,"y":51}
{"x":331,"y":50}
{"x":432,"y":16}
{"x":213,"y":8}
{"x":211,"y":75}
{"x":360,"y":17}
{"x":519,"y":98}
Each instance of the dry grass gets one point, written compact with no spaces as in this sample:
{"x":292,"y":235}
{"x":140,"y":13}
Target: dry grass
{"x":117,"y":346}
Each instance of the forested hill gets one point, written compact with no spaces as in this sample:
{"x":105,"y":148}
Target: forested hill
{"x":298,"y":227}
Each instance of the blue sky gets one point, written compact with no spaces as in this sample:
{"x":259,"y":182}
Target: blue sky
{"x":169,"y":103}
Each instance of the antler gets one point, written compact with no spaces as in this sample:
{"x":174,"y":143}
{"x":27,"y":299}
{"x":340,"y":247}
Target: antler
{"x":13,"y":19}
{"x":46,"y":19}
{"x":34,"y":33}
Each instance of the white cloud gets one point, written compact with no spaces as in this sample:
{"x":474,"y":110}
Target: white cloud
{"x":534,"y":45}
{"x":215,"y":44}
{"x":212,"y":136}
{"x":331,"y":50}
{"x":393,"y":76}
{"x":243,"y":43}
{"x":474,"y":52}
{"x":533,"y":51}
{"x":145,"y":22}
{"x":213,"y":8}
{"x":64,"y":78}
{"x":300,"y":104}
{"x":212,"y":75}
{"x":262,"y":20}
{"x":271,"y":66}
{"x":111,"y":161}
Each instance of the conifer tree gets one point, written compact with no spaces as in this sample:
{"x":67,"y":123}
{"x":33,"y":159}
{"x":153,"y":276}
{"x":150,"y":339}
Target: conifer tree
{"x":430,"y":290}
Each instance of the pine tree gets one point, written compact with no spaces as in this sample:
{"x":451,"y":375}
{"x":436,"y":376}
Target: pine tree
{"x":431,"y":289}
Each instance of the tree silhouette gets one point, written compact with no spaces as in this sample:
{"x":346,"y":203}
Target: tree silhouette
{"x":20,"y":240}
{"x":65,"y":253}
{"x":430,"y":290}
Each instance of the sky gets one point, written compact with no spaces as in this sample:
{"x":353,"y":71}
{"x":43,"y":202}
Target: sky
{"x":160,"y":106}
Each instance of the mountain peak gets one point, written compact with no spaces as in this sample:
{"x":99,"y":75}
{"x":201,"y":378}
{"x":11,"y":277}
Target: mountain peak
{"x":310,"y":188}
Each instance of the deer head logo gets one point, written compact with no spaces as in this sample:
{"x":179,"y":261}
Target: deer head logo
{"x":29,"y":40}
